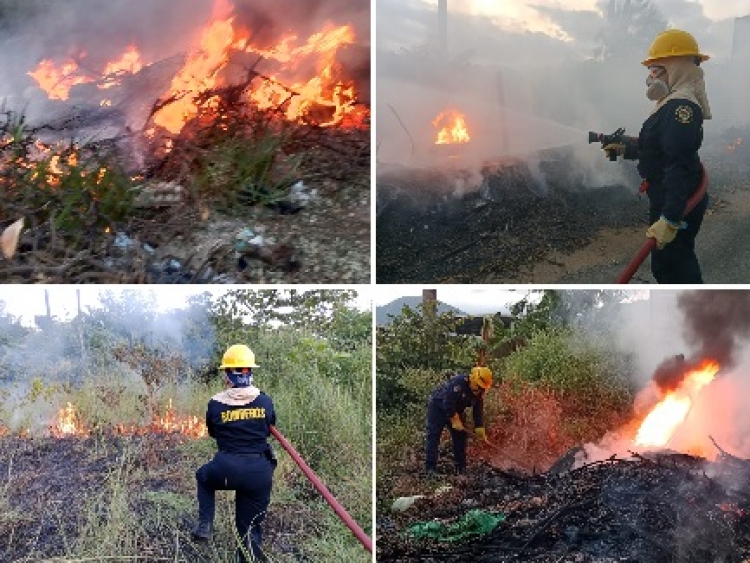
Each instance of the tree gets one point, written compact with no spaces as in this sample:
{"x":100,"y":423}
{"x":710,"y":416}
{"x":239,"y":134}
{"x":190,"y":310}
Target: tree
{"x":313,"y":309}
{"x":629,"y":28}
{"x":410,"y":343}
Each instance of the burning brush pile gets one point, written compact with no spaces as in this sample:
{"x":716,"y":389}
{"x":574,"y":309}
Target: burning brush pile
{"x":673,"y":484}
{"x":135,"y":155}
{"x":601,"y":503}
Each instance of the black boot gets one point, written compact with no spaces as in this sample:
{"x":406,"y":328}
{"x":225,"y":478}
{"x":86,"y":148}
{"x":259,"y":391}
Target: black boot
{"x":203,"y":531}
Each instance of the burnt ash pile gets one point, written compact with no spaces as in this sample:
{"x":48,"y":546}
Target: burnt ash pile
{"x":662,"y":509}
{"x":105,"y":203}
{"x":426,"y":234}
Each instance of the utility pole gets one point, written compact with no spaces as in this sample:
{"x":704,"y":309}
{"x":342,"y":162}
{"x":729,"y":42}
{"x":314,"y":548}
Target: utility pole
{"x":443,"y":27}
{"x":46,"y":302}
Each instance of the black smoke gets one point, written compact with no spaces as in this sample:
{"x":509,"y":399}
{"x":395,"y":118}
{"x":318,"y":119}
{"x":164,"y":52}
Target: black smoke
{"x":716,"y":323}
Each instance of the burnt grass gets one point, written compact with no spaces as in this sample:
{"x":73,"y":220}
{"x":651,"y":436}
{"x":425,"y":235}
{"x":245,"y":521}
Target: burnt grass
{"x":60,"y":497}
{"x":664,"y":508}
{"x":511,"y":217}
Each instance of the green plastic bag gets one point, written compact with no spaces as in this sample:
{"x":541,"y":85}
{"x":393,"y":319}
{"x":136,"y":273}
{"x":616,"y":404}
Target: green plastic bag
{"x":474,"y":523}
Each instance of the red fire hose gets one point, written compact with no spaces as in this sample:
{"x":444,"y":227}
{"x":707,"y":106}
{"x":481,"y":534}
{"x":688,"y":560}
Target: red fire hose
{"x":650,"y":243}
{"x":318,"y":484}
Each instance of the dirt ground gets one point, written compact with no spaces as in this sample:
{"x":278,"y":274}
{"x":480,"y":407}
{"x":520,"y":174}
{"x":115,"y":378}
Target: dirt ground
{"x":328,"y":241}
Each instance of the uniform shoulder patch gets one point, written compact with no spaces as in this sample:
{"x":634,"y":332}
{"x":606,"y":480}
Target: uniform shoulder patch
{"x":684,"y":114}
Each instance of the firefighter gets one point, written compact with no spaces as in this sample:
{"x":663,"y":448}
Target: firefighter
{"x":239,"y":419}
{"x":446,"y":409}
{"x":667,"y":153}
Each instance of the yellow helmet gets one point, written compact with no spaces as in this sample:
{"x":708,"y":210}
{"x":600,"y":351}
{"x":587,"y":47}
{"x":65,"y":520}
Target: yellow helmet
{"x":238,"y":356}
{"x":673,"y":43}
{"x":480,"y":377}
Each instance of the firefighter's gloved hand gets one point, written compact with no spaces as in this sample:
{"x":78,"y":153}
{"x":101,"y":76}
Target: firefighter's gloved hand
{"x":664,"y":231}
{"x":617,"y":148}
{"x":456,"y":423}
{"x":481,"y":434}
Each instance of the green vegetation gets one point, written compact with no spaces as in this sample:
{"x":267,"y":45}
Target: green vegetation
{"x":134,"y":495}
{"x":555,"y":385}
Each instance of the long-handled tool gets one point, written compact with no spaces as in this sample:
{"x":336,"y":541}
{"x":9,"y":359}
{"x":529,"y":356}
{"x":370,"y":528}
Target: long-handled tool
{"x":321,"y":488}
{"x":650,"y":243}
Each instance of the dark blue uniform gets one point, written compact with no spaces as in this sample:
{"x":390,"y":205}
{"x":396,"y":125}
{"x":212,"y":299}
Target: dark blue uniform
{"x":453,"y":397}
{"x":244,"y":463}
{"x":667,"y":153}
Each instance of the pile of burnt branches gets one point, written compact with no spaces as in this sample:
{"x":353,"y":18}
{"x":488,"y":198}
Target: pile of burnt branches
{"x":661,"y":509}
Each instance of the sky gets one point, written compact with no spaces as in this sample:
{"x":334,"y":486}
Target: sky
{"x":28,"y":301}
{"x":548,"y":28}
{"x":475,"y":300}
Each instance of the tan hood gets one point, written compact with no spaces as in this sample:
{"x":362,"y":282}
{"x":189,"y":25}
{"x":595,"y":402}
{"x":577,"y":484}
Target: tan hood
{"x":685,"y":83}
{"x":236,"y":396}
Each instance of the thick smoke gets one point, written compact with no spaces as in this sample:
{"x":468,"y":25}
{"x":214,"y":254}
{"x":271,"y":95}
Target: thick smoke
{"x":80,"y":351}
{"x":526,"y":93}
{"x":717,"y":323}
{"x":664,"y":337}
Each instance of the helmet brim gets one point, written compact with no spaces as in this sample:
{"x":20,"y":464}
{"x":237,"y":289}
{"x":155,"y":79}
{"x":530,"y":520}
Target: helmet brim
{"x":652,"y":60}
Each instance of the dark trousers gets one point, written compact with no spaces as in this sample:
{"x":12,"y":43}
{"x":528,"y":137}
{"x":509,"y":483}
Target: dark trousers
{"x":677,"y":262}
{"x":437,"y":419}
{"x":251,"y":478}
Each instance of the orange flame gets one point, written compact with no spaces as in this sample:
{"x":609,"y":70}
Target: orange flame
{"x":129,"y":63}
{"x":292,"y":87}
{"x":451,"y":128}
{"x":666,"y":417}
{"x":170,"y":422}
{"x":57,"y":81}
{"x":68,"y":423}
{"x":199,"y":74}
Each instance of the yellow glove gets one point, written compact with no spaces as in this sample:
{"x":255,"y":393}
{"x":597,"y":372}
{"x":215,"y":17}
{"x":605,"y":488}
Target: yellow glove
{"x":617,"y":148}
{"x":456,"y":423}
{"x":664,"y":231}
{"x":481,"y":434}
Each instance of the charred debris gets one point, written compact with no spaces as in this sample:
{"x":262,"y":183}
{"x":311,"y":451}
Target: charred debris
{"x":653,"y":508}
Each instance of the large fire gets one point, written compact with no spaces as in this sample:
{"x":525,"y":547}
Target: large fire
{"x":69,"y":423}
{"x":451,"y":127}
{"x":305,"y":75}
{"x":666,"y":417}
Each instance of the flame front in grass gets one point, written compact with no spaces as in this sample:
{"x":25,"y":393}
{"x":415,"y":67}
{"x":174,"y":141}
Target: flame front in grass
{"x":667,"y":416}
{"x":68,"y":423}
{"x":451,"y":127}
{"x":171,"y":423}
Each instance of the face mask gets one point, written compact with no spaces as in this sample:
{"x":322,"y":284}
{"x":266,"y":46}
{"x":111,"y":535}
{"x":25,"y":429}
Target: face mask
{"x":657,"y":88}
